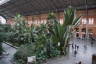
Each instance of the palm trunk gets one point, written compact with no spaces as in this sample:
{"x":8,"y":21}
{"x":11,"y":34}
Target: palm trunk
{"x":65,"y":46}
{"x":1,"y":49}
{"x":61,"y":49}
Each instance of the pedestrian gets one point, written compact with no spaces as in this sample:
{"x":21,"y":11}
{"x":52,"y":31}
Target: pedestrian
{"x":77,"y":47}
{"x":75,"y":53}
{"x":79,"y":62}
{"x":92,"y":42}
{"x":72,"y":46}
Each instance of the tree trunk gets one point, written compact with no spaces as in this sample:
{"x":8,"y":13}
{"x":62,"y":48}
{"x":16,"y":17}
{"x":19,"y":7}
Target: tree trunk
{"x":61,"y":49}
{"x":1,"y":49}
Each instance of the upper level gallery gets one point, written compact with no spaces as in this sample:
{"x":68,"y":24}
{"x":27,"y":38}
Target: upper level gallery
{"x":86,"y":18}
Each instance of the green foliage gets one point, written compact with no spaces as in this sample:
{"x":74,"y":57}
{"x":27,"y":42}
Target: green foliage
{"x":23,"y":52}
{"x":43,"y":41}
{"x":70,"y":17}
{"x":31,"y":50}
{"x":1,"y":49}
{"x":40,"y":48}
{"x":51,"y":16}
{"x":61,"y":33}
{"x":22,"y":33}
{"x":4,"y":29}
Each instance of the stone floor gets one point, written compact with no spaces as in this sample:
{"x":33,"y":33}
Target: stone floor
{"x":84,"y":53}
{"x":8,"y":55}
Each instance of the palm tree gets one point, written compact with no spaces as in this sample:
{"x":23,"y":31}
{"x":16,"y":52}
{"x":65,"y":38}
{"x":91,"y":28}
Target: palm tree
{"x":61,"y":33}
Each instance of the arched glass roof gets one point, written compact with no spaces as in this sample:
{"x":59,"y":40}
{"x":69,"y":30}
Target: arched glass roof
{"x":3,"y":1}
{"x":30,"y":7}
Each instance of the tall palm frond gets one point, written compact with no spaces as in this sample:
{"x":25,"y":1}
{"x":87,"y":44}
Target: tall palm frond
{"x":61,"y":33}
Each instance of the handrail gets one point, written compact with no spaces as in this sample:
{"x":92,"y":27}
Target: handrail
{"x":11,"y":45}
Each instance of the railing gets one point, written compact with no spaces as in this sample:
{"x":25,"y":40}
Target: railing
{"x":11,"y":45}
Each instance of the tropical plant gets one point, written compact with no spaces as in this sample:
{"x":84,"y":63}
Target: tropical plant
{"x":41,"y":48}
{"x":42,"y":41}
{"x":22,"y":33}
{"x":23,"y":52}
{"x":4,"y":28}
{"x":61,"y":33}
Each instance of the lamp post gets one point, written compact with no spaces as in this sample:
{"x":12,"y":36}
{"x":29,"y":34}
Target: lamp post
{"x":87,"y":21}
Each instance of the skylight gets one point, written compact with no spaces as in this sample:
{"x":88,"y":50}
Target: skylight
{"x":3,"y":1}
{"x":2,"y":20}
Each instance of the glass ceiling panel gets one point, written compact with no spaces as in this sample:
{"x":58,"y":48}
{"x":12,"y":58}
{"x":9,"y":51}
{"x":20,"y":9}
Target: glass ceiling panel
{"x":3,"y":1}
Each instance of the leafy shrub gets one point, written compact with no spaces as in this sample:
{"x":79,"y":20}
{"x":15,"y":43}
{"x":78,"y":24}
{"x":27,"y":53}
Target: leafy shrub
{"x":46,"y":37}
{"x":21,"y":33}
{"x":24,"y":52}
{"x":3,"y":35}
{"x":31,"y":50}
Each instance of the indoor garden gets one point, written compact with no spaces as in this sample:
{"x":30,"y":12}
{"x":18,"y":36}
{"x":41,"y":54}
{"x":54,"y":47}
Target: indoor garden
{"x":44,"y":41}
{"x":48,"y":32}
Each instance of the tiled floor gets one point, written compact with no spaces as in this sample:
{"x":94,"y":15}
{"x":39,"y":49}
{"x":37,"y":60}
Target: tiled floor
{"x":84,"y":54}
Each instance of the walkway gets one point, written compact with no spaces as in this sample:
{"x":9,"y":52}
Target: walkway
{"x":84,"y":54}
{"x":7,"y":57}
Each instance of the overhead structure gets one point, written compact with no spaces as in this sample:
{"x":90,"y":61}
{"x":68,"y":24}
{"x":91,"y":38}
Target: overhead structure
{"x":3,"y":1}
{"x":30,"y":7}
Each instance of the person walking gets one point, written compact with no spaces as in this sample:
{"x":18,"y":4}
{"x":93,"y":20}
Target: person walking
{"x":77,"y":47}
{"x":72,"y":45}
{"x":79,"y":62}
{"x":75,"y":53}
